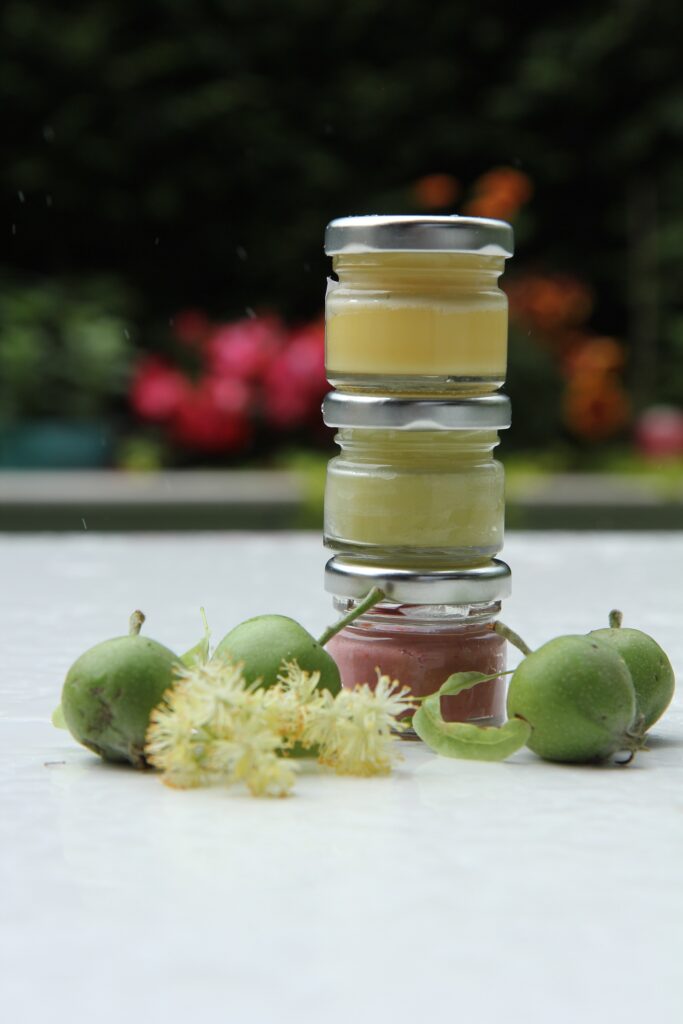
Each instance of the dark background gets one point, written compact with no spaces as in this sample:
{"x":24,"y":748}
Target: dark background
{"x":176,"y":155}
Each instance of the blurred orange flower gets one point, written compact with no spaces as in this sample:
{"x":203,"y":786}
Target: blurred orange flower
{"x":490,"y":206}
{"x":436,"y":191}
{"x":594,"y":356}
{"x":499,"y":193}
{"x":595,"y":407}
{"x":551,"y":303}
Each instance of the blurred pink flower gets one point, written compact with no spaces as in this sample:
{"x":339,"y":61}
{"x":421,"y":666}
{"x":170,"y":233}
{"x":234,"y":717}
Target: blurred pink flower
{"x":295,"y":382}
{"x":659,"y":432}
{"x":254,"y":373}
{"x":214,"y":416}
{"x":157,"y":389}
{"x":244,"y":349}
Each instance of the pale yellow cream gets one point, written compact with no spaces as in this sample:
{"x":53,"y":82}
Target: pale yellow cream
{"x":411,"y":497}
{"x":418,"y":321}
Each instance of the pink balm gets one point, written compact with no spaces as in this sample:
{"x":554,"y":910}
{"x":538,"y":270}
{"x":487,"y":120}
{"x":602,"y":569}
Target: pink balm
{"x":421,"y":645}
{"x":423,"y":659}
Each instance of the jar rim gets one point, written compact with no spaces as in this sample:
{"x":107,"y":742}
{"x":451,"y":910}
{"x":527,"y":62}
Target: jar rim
{"x":482,"y":584}
{"x":485,"y":412}
{"x":414,"y":233}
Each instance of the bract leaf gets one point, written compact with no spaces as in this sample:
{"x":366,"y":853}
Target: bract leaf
{"x":460,"y":681}
{"x":465,"y":740}
{"x":199,"y":654}
{"x":58,"y":719}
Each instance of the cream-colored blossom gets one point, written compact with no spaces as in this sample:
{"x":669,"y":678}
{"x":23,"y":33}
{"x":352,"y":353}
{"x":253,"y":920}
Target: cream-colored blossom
{"x":291,"y":702}
{"x":300,"y":684}
{"x":355,"y":730}
{"x":213,"y":726}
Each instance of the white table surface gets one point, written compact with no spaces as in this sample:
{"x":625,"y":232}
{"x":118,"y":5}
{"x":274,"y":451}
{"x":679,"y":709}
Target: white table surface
{"x":448,"y":891}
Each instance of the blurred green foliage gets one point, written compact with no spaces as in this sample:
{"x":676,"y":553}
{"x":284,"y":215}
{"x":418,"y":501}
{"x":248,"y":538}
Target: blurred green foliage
{"x":534,"y":386}
{"x":196,"y":151}
{"x":63,"y":350}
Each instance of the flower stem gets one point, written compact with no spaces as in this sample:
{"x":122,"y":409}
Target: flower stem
{"x":512,"y":637}
{"x":615,"y":618}
{"x":374,"y":597}
{"x":135,"y":623}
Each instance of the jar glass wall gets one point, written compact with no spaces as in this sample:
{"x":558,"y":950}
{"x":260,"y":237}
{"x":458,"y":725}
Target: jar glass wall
{"x":421,"y":646}
{"x":414,"y":305}
{"x":415,"y":497}
{"x":417,"y":323}
{"x":427,"y":626}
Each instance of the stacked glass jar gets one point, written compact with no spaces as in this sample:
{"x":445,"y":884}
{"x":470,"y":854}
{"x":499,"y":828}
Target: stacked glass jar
{"x":416,"y":347}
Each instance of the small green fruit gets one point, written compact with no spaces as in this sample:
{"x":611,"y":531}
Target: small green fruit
{"x":110,"y":691}
{"x":651,"y":671}
{"x":264,"y":642}
{"x":577,"y":695}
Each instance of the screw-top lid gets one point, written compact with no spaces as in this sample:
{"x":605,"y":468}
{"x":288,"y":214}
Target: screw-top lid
{"x":419,"y":234}
{"x":488,"y":412}
{"x":481,"y":585}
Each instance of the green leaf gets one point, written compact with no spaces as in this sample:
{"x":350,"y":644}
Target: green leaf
{"x":464,"y":740}
{"x":460,"y":681}
{"x":199,"y":654}
{"x":58,"y":719}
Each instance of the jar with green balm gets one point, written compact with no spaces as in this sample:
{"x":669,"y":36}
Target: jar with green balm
{"x":416,"y":483}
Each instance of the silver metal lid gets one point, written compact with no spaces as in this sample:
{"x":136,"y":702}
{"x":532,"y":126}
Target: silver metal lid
{"x":488,"y":412}
{"x":419,"y":234}
{"x":482,"y":585}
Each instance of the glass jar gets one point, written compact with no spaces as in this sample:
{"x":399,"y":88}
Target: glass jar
{"x":415,"y":305}
{"x":416,"y":482}
{"x":429,"y":627}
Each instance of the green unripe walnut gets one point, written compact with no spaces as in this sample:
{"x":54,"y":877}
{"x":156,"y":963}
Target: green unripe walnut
{"x":110,"y":691}
{"x":577,"y":695}
{"x":264,"y":642}
{"x":651,"y":671}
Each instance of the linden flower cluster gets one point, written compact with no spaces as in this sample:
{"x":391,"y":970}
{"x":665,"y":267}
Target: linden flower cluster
{"x":213,"y":726}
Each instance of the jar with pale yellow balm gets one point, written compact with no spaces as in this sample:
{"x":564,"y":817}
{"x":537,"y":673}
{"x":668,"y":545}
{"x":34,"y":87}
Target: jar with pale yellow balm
{"x":414,"y":304}
{"x":416,"y":483}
